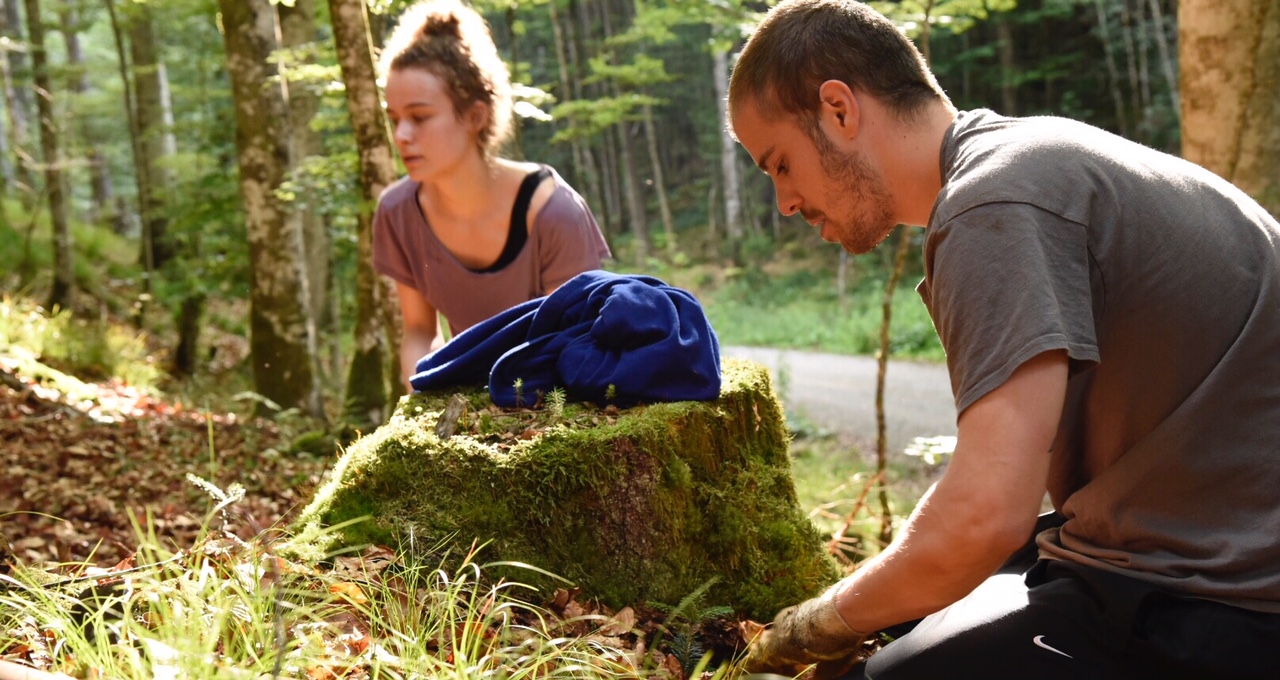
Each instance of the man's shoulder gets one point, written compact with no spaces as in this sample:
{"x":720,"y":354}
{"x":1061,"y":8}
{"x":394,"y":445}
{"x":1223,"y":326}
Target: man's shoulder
{"x":1049,"y":162}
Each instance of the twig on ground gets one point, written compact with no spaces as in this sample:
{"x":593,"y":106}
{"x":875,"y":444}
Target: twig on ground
{"x":834,"y":544}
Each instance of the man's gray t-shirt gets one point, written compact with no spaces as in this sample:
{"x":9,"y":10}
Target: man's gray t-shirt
{"x":563,"y":242}
{"x":1162,"y":283}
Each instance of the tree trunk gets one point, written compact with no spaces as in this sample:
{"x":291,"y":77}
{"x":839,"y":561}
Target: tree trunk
{"x":612,"y":184}
{"x":573,"y":46}
{"x":730,"y":184}
{"x":297,"y":30}
{"x":186,"y":353}
{"x":8,"y":170}
{"x":659,"y":182}
{"x":632,"y":194}
{"x":1166,"y":61}
{"x":78,"y":84}
{"x":135,"y":138}
{"x":64,"y":273}
{"x":156,"y":248}
{"x":1143,"y":29}
{"x":1136,"y":104}
{"x":1113,"y":74}
{"x":282,"y":334}
{"x":1008,"y":66}
{"x":569,"y":93}
{"x":1230,"y":56}
{"x":515,"y":146}
{"x":17,"y":102}
{"x":366,"y":398}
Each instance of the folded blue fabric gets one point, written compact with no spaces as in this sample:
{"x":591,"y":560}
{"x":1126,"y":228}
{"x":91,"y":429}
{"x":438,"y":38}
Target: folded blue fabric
{"x":601,"y":337}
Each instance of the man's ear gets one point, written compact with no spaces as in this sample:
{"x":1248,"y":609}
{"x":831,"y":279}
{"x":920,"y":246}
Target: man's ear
{"x":840,"y":114}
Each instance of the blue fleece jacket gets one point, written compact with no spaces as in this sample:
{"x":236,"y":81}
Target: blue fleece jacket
{"x":649,"y":341}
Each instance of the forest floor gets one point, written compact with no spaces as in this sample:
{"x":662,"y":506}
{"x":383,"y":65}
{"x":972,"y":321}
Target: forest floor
{"x":79,"y":484}
{"x":83,"y":488}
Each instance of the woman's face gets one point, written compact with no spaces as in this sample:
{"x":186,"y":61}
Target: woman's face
{"x":431,"y":136}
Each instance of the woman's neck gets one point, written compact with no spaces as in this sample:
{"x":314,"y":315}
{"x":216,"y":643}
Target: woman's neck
{"x":465,"y":191}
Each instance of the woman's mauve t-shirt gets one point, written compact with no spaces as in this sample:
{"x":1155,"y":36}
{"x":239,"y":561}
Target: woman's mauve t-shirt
{"x":563,"y":242}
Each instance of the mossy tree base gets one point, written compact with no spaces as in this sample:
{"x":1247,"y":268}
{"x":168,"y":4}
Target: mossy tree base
{"x":641,"y":505}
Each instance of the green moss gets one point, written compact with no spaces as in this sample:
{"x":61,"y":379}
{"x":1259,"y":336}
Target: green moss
{"x":639,"y":505}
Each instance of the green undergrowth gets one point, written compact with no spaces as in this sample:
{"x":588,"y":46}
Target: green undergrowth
{"x":103,"y":260}
{"x":64,"y":351}
{"x":647,"y":503}
{"x":802,"y":310}
{"x":226,"y":608}
{"x":787,"y":296}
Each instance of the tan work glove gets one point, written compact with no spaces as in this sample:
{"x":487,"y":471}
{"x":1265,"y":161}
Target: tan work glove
{"x":812,"y":632}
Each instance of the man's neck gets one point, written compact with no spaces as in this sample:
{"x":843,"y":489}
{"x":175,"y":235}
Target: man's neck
{"x":912,"y":154}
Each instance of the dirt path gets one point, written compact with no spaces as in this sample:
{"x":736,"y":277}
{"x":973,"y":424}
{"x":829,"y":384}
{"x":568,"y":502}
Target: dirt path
{"x":837,"y":392}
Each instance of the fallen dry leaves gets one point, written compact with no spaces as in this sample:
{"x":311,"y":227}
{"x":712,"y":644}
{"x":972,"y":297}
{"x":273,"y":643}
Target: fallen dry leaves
{"x":79,"y":478}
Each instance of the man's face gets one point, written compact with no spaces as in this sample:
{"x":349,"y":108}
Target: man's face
{"x":836,"y":190}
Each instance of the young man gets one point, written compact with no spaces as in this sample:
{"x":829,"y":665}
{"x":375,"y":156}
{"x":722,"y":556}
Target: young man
{"x":1111,"y":317}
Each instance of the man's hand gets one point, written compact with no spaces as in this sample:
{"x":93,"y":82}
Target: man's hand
{"x":809,"y":633}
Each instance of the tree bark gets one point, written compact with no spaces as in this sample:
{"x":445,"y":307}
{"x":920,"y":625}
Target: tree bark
{"x":156,"y":248}
{"x":17,"y":102}
{"x":1230,"y":56}
{"x":366,"y":399}
{"x":659,"y":181}
{"x":582,"y":172}
{"x":282,"y":333}
{"x":1136,"y":105}
{"x":297,"y":31}
{"x":605,"y":160}
{"x":1230,"y":86}
{"x":135,"y":138}
{"x":78,"y":85}
{"x":1113,"y":74}
{"x":64,"y":274}
{"x":1008,"y":66}
{"x":8,"y":141}
{"x":1144,"y":51}
{"x":730,"y":183}
{"x":515,"y":146}
{"x":595,"y":182}
{"x":1166,"y":61}
{"x":632,"y":195}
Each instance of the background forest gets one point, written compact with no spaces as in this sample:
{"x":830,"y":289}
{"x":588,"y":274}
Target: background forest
{"x":130,"y":200}
{"x":186,"y":189}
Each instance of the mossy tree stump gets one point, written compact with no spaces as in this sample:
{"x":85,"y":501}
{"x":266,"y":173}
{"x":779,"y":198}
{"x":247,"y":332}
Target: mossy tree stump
{"x":645,"y":504}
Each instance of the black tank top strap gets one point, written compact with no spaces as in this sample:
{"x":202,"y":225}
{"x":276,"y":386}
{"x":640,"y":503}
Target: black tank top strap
{"x":519,"y":233}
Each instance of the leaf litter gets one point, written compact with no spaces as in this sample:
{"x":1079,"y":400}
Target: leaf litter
{"x":81,"y":478}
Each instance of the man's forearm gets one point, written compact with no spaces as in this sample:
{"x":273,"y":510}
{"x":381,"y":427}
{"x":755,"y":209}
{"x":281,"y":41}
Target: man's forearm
{"x":940,"y":556}
{"x":982,"y":510}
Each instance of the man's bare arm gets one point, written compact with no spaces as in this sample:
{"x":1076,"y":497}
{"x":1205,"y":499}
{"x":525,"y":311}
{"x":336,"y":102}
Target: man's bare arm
{"x":981,"y":511}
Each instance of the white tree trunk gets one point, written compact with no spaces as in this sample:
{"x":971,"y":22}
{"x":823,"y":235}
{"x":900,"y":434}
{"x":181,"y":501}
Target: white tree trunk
{"x":732,"y":185}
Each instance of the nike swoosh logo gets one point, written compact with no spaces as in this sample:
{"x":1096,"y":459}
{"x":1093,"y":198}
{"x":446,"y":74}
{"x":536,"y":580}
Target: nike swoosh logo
{"x":1039,"y":640}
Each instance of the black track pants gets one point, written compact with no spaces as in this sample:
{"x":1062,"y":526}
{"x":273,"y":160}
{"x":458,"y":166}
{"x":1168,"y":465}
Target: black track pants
{"x":1068,"y":621}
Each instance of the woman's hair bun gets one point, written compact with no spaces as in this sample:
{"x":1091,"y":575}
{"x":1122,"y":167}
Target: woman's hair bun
{"x":445,"y":24}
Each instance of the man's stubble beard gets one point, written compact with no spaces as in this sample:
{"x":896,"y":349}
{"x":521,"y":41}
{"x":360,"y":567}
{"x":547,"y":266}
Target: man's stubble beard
{"x":870,"y":221}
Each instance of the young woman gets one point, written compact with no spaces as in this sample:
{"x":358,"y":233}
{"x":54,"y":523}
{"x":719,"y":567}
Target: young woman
{"x":467,"y":233}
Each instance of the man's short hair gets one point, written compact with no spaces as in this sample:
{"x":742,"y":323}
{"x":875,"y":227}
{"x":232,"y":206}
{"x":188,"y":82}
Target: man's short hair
{"x":804,"y":43}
